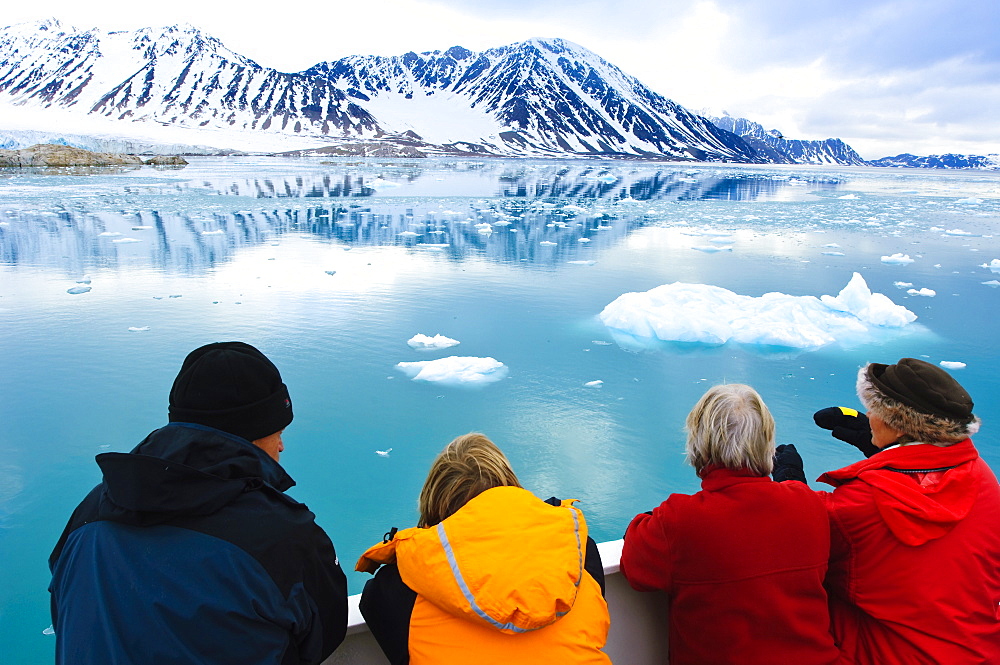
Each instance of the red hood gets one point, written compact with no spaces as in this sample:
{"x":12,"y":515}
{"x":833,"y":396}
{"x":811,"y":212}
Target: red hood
{"x":924,"y":504}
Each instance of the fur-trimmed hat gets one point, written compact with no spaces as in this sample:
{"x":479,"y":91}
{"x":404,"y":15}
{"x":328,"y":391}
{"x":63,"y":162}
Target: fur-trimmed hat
{"x":918,"y":399}
{"x":233,"y":387}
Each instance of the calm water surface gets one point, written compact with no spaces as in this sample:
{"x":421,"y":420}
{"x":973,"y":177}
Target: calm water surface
{"x":330,"y":267}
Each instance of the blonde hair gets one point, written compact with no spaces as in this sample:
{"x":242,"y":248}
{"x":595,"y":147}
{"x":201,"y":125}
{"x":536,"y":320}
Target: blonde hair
{"x":468,"y":466}
{"x":731,"y":427}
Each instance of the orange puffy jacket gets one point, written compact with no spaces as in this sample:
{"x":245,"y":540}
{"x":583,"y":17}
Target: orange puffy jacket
{"x":500,"y":581}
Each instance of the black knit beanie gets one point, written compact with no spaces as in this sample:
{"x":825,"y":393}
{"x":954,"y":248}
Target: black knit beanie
{"x":233,"y":387}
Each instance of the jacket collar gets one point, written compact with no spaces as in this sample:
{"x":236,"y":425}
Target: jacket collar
{"x":911,"y":458}
{"x":717,"y":477}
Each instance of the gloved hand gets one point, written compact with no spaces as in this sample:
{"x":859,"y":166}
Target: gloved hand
{"x":787,"y":464}
{"x":848,"y":425}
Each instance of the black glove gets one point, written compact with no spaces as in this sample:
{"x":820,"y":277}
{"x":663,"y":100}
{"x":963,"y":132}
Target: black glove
{"x":787,"y":464}
{"x":848,"y":425}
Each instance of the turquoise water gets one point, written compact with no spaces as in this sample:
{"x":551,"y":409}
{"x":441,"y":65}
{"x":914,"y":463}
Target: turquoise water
{"x":242,"y":248}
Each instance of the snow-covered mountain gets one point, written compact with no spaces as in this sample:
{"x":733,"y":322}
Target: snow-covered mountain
{"x":539,"y":97}
{"x":946,"y":161}
{"x":777,"y":149}
{"x":174,"y":76}
{"x":542,"y":96}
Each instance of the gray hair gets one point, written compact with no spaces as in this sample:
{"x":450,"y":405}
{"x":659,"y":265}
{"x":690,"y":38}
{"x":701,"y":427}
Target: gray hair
{"x":731,"y":427}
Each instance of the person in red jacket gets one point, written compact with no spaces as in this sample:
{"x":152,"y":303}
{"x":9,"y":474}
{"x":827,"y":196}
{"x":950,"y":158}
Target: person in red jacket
{"x":743,"y":560}
{"x":915,"y":563}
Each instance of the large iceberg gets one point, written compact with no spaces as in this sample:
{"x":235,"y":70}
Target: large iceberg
{"x":708,"y":314}
{"x":455,"y":370}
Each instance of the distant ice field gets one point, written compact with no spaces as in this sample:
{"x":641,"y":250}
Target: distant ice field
{"x":357,"y":276}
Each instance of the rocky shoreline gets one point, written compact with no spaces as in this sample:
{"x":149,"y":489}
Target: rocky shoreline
{"x":47,"y":155}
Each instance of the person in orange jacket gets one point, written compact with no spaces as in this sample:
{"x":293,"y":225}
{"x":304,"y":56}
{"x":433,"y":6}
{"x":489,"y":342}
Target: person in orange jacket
{"x":915,"y":563}
{"x":743,"y":560}
{"x":492,"y":574}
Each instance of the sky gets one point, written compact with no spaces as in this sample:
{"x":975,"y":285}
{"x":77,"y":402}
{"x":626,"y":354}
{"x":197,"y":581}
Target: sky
{"x":886,"y":76}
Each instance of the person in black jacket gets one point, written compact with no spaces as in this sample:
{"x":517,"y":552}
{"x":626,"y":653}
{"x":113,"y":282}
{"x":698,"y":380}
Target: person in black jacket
{"x":189,"y":551}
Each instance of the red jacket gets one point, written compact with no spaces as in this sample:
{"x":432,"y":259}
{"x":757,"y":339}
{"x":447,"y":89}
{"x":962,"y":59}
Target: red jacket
{"x":743,"y":562}
{"x":915,"y":563}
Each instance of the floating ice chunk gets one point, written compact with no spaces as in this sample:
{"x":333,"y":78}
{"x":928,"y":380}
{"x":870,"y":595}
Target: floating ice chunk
{"x":574,"y":209}
{"x":832,"y":245}
{"x":75,"y":290}
{"x":379,"y":183}
{"x":971,"y":201}
{"x":547,"y":243}
{"x":109,"y":234}
{"x":711,"y":249}
{"x":930,"y":293}
{"x":138,"y":328}
{"x":49,"y":631}
{"x":994,"y":283}
{"x":330,"y":272}
{"x":216,"y":232}
{"x":588,"y":262}
{"x":848,"y":196}
{"x":383,"y":453}
{"x":607,"y":179}
{"x":455,"y":370}
{"x":408,"y":234}
{"x":712,"y":315}
{"x":993,"y":265}
{"x":84,"y":280}
{"x":952,"y":364}
{"x":425,"y":343}
{"x":897,"y":259}
{"x":833,"y":253}
{"x":125,"y":240}
{"x":583,"y":239}
{"x":141,"y":228}
{"x":958,"y":232}
{"x":902,"y":285}
{"x":594,"y":384}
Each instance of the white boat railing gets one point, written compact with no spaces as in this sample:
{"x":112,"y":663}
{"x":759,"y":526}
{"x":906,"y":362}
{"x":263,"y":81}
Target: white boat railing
{"x":638,"y":633}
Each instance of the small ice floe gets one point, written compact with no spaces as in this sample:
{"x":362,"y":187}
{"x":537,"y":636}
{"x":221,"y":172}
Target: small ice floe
{"x":216,"y":232}
{"x":832,"y":245}
{"x":49,"y":631}
{"x":383,"y":453}
{"x":75,"y":290}
{"x":897,"y":259}
{"x":125,"y":240}
{"x":833,"y":253}
{"x":455,"y":370}
{"x":425,"y":343}
{"x":971,"y":201}
{"x":588,"y":262}
{"x":583,"y":239}
{"x":902,"y":285}
{"x":994,"y":283}
{"x":952,"y":364}
{"x":930,"y":293}
{"x":711,"y":249}
{"x":141,"y":228}
{"x":138,"y":328}
{"x":379,"y":183}
{"x":600,"y":342}
{"x":109,"y":234}
{"x":547,"y":243}
{"x":594,"y":384}
{"x":84,"y":280}
{"x":848,"y":197}
{"x":607,"y":179}
{"x":408,"y":234}
{"x":958,"y":232}
{"x":993,"y":265}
